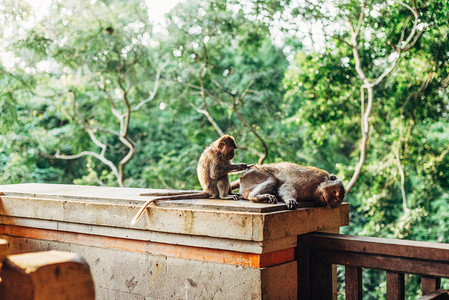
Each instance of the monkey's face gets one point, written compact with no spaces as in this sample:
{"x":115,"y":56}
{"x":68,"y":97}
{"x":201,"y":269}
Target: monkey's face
{"x":332,"y":191}
{"x":228,"y":152}
{"x":227,"y":147}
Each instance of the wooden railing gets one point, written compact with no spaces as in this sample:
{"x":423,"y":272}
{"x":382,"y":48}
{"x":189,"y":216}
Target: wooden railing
{"x":317,"y":252}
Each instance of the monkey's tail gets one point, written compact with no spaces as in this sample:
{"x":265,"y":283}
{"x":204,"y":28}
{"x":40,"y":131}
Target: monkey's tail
{"x":170,"y":193}
{"x":176,"y":197}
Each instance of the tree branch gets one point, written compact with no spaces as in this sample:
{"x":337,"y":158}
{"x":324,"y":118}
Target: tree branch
{"x":124,"y":126}
{"x":205,"y":111}
{"x":152,"y":94}
{"x":247,"y":125}
{"x":401,"y":173}
{"x":100,"y":157}
{"x":209,"y":118}
{"x":402,"y":47}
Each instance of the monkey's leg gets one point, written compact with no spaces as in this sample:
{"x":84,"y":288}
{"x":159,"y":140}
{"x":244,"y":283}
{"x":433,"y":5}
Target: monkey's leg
{"x":223,"y":186}
{"x":264,"y":192}
{"x":288,"y":195}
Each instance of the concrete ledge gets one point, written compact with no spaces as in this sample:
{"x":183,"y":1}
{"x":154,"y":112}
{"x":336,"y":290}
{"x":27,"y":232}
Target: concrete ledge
{"x":188,"y":217}
{"x":46,"y":275}
{"x":176,"y":249}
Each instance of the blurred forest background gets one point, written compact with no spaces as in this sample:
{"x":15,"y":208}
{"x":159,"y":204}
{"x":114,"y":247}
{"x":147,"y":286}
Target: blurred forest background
{"x":98,"y":93}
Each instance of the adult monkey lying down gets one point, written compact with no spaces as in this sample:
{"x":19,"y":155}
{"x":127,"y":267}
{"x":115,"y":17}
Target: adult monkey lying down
{"x":290,"y":183}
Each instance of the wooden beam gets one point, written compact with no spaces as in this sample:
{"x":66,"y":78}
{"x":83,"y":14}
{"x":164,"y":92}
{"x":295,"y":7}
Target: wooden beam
{"x":395,"y":286}
{"x":381,"y":246}
{"x":353,"y":283}
{"x":386,"y":263}
{"x":303,"y":257}
{"x":430,"y":284}
{"x":320,"y":279}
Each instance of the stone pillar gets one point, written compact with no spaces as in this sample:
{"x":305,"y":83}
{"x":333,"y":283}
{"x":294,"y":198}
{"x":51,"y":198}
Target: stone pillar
{"x":185,"y":249}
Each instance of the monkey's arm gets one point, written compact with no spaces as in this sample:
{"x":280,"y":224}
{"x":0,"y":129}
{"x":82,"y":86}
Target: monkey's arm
{"x":218,"y":172}
{"x":237,"y":167}
{"x":179,"y":197}
{"x":288,"y":194}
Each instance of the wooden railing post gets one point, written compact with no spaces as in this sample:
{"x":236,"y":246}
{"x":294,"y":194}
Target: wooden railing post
{"x":353,"y":281}
{"x":320,"y":279}
{"x":430,"y":284}
{"x":315,"y":277}
{"x":395,"y":286}
{"x":303,"y":257}
{"x":396,"y":257}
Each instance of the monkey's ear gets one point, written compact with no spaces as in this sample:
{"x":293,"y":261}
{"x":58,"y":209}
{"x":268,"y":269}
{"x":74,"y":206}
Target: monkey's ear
{"x":332,"y":177}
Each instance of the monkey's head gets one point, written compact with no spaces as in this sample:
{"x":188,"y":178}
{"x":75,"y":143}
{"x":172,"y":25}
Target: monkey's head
{"x":332,"y":191}
{"x":226,"y":145}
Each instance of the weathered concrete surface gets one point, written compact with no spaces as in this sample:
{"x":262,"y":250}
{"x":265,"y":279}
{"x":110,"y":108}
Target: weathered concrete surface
{"x":132,"y":275}
{"x":126,"y":196}
{"x":20,"y":201}
{"x":46,"y":275}
{"x":161,"y":237}
{"x":208,"y":249}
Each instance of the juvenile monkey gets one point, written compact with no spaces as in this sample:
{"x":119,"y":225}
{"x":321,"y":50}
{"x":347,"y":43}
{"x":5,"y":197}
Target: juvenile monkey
{"x":213,"y":168}
{"x":291,"y":183}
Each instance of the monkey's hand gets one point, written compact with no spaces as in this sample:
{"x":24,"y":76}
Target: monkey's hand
{"x":272,"y":199}
{"x":243,"y":166}
{"x":291,"y":203}
{"x":231,"y":197}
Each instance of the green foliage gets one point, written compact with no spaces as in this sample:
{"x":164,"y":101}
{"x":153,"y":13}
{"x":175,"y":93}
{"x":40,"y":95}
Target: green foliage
{"x":409,"y":122}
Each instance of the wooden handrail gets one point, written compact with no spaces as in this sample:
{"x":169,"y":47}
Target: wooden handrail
{"x":317,"y":252}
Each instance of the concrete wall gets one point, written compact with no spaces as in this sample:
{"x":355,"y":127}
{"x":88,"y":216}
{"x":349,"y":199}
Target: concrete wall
{"x":209,"y":249}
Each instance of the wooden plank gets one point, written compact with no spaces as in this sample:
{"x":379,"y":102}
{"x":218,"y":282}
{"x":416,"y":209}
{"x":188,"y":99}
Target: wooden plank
{"x":303,"y":258}
{"x":320,"y":279}
{"x":437,"y":295}
{"x":395,"y":286}
{"x":430,"y":284}
{"x":353,"y":280}
{"x":381,"y":246}
{"x":386,"y":263}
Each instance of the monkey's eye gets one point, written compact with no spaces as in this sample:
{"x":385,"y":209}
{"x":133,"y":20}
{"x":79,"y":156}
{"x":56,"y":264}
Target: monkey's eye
{"x":332,"y":177}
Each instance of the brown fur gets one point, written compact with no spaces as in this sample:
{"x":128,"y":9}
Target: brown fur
{"x":213,"y":168}
{"x":290,"y":183}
